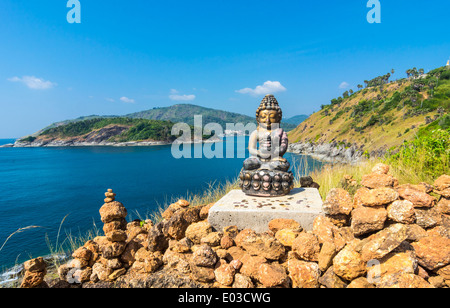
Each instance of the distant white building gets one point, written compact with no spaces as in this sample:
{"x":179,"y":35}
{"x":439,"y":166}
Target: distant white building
{"x":448,"y":62}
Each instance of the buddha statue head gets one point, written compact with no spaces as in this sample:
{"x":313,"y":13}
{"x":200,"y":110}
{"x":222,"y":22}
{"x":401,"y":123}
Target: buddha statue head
{"x":269,"y":112}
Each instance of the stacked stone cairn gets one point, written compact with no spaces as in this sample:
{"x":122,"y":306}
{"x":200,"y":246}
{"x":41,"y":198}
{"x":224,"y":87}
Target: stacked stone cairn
{"x":382,"y":235}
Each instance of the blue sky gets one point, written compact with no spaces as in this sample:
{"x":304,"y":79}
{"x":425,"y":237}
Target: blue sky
{"x":128,"y":56}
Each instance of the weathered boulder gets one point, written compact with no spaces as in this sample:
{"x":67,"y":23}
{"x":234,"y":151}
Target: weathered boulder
{"x":226,"y":242}
{"x":182,"y":246}
{"x":264,"y":244}
{"x":110,"y":249}
{"x":416,"y":197}
{"x":272,"y":275}
{"x":374,"y":197}
{"x":360,"y":283}
{"x":286,"y":236}
{"x":392,"y":263}
{"x":368,"y":219}
{"x":380,"y":244}
{"x":442,"y":186}
{"x":100,"y":272}
{"x":202,"y":274}
{"x":279,"y":224}
{"x":251,"y":264}
{"x":35,"y":271}
{"x":212,"y":239}
{"x":32,"y":280}
{"x":224,"y":274}
{"x":242,"y":282}
{"x":204,"y":256}
{"x":428,"y":217}
{"x":331,"y":280}
{"x":303,"y":274}
{"x":402,"y":211}
{"x":381,"y":169}
{"x":338,"y":201}
{"x":306,"y":247}
{"x":35,"y":265}
{"x":377,"y":180}
{"x":118,"y":224}
{"x":415,"y":233}
{"x":403,"y":281}
{"x":348,"y":264}
{"x":326,"y":256}
{"x":112,"y":211}
{"x":176,"y":226}
{"x":156,"y":240}
{"x":327,"y":231}
{"x":443,"y":206}
{"x":196,"y":231}
{"x":204,"y":211}
{"x":433,"y":252}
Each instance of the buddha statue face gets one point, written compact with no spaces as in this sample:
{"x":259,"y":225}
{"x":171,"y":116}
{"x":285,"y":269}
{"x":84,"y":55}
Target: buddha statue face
{"x":268,"y":117}
{"x":268,"y":113}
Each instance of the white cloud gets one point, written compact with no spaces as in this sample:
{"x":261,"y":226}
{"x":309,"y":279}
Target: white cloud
{"x":34,"y":82}
{"x":269,"y":87}
{"x":127,"y":100}
{"x":110,"y":100}
{"x":344,"y":85}
{"x":176,"y":97}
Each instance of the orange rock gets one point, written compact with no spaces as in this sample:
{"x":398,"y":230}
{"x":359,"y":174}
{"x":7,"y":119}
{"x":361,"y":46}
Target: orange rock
{"x":306,"y":246}
{"x":279,"y":224}
{"x":433,"y":252}
{"x":348,"y":264}
{"x":442,"y":186}
{"x":272,"y":275}
{"x":377,"y":180}
{"x":303,"y":274}
{"x":402,"y":211}
{"x":338,"y":201}
{"x":417,"y":197}
{"x":368,"y":219}
{"x":375,"y":197}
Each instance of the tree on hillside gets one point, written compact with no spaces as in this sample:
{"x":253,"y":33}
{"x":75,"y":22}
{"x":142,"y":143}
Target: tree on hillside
{"x":360,"y":86}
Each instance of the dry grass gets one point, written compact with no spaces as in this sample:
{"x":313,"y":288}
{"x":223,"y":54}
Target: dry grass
{"x":212,"y":194}
{"x":331,"y":175}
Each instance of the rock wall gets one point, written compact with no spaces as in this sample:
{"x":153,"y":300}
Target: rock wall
{"x":385,"y":235}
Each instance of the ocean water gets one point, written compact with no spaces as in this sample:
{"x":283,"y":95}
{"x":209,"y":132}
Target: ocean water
{"x":41,"y":186}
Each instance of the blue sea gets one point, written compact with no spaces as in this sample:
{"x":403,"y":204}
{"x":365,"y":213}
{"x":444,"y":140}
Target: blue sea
{"x":41,"y":186}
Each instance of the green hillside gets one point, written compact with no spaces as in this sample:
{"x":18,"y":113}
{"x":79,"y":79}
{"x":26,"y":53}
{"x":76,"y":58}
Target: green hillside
{"x":119,"y":129}
{"x":296,"y":120}
{"x":178,"y":113}
{"x":185,"y":113}
{"x":384,"y":114}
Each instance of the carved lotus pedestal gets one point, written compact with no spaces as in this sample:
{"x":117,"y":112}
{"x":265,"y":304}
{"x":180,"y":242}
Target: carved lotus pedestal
{"x":266,"y":183}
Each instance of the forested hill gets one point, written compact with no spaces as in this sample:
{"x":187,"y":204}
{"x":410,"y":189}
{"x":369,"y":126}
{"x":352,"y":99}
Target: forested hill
{"x":185,"y":113}
{"x":383,"y":113}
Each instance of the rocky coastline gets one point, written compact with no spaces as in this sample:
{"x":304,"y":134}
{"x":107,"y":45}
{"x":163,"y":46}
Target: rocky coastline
{"x":76,"y":143}
{"x":331,"y":152}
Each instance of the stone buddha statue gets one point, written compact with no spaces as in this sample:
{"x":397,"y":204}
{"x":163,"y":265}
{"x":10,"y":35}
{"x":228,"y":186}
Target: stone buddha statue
{"x":265,"y":172}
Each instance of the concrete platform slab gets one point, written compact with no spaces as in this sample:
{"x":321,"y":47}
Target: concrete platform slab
{"x":247,"y":212}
